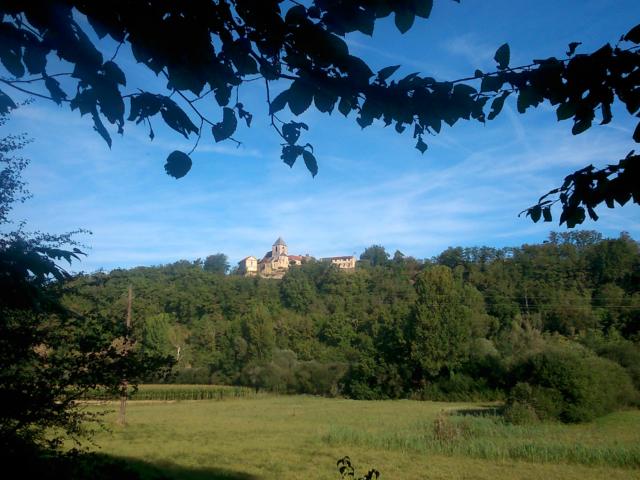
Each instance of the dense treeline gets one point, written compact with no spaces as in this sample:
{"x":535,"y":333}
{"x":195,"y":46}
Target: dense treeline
{"x":553,"y":328}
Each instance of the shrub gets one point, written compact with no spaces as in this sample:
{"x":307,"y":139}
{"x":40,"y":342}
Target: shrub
{"x":519,"y":413}
{"x":571,"y":383}
{"x":625,"y":353}
{"x":527,"y":404}
{"x":460,"y":388}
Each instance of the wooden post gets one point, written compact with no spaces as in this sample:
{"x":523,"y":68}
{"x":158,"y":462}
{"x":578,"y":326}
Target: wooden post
{"x":125,"y":384}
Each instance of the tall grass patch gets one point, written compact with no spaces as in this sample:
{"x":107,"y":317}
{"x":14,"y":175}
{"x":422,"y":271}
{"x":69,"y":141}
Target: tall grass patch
{"x":490,"y":437}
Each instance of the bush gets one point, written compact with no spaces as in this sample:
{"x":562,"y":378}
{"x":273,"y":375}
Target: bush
{"x":527,"y":404}
{"x":571,"y":383}
{"x":284,"y":373}
{"x":627,"y":355}
{"x":460,"y":388}
{"x":520,"y":414}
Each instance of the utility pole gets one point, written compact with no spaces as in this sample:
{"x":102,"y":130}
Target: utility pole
{"x":125,"y":384}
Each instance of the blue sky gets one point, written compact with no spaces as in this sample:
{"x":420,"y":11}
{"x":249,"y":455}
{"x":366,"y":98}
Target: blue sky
{"x":372,"y":187}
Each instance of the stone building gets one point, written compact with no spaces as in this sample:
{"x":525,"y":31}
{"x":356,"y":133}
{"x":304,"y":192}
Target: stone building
{"x":276,"y":262}
{"x":248,"y":266}
{"x":343,"y":263}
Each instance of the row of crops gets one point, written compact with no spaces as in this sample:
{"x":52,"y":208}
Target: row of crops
{"x":179,"y":392}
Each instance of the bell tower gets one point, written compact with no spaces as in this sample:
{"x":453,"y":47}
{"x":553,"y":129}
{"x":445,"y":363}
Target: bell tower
{"x":279,"y":248}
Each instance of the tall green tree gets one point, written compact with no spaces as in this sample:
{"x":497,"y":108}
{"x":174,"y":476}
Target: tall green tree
{"x":439,"y":328}
{"x":258,"y":331}
{"x":218,"y":263}
{"x":375,"y":255}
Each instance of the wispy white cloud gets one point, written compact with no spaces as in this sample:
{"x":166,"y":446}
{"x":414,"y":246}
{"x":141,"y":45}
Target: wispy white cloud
{"x":373,"y":186}
{"x":476,"y":51}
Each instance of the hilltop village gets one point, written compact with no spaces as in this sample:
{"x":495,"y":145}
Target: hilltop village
{"x":276,"y":262}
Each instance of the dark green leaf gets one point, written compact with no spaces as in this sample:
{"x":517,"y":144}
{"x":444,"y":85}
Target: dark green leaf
{"x":12,"y":62}
{"x":364,"y":120}
{"x":497,"y":104}
{"x":404,"y":19}
{"x":143,"y":106}
{"x":465,"y":90}
{"x":110,"y":101}
{"x":222,"y":94}
{"x":581,"y":126}
{"x":113,"y":72}
{"x":386,"y":72}
{"x":178,"y":164}
{"x":296,"y":15}
{"x":636,"y":133}
{"x":99,"y":127}
{"x":300,"y":97}
{"x":242,"y":113}
{"x":421,"y":145}
{"x":423,"y":8}
{"x":572,"y":48}
{"x":546,"y":213}
{"x":325,"y":100}
{"x":358,"y":70}
{"x":565,"y":111}
{"x":576,"y":217}
{"x":226,"y":128}
{"x":6,"y":103}
{"x":176,"y":118}
{"x":607,"y":116}
{"x":290,"y":153}
{"x":291,"y":131}
{"x":344,"y":106}
{"x":527,"y":97}
{"x":535,"y":213}
{"x":633,"y":35}
{"x":491,"y":83}
{"x":85,"y":101}
{"x":502,"y":56}
{"x":310,"y":162}
{"x":279,"y":102}
{"x":35,"y":58}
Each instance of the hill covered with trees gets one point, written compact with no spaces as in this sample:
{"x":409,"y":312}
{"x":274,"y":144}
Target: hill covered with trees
{"x":471,"y":323}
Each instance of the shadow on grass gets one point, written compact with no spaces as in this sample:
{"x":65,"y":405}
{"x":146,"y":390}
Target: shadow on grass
{"x":94,"y":466}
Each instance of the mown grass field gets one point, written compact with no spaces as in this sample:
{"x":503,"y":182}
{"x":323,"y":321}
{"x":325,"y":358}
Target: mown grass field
{"x":301,"y":437}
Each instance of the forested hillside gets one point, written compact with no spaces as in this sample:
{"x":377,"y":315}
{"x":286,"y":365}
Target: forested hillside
{"x":469,"y":323}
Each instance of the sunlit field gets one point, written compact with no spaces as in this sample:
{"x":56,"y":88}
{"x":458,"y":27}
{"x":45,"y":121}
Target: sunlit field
{"x":295,"y":437}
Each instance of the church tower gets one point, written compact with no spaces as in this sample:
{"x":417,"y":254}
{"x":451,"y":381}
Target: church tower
{"x":279,"y":248}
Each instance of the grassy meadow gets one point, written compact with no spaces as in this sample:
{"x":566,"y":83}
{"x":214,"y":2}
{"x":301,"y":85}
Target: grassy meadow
{"x":295,"y":437}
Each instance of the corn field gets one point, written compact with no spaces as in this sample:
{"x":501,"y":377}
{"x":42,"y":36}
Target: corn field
{"x":180,"y":392}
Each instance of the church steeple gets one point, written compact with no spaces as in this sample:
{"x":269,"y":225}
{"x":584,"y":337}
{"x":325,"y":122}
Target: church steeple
{"x":279,"y":248}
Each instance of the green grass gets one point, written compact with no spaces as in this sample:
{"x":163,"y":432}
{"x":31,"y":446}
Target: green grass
{"x":302,"y":437}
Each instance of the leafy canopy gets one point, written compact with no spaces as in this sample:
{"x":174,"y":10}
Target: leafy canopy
{"x":205,"y":48}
